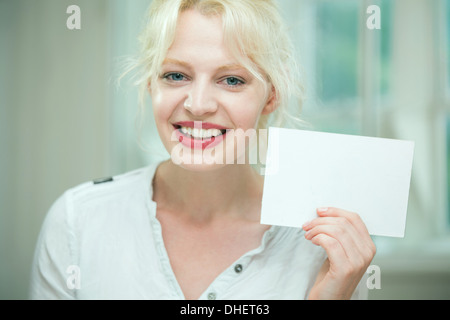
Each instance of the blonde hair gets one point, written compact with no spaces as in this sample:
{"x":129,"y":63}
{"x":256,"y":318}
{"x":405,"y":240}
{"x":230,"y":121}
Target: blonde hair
{"x":255,"y":34}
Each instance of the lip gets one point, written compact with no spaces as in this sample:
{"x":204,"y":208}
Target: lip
{"x":199,"y":125}
{"x":202,"y":144}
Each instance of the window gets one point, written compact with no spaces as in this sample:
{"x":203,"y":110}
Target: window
{"x":447,"y":36}
{"x":447,"y":99}
{"x":329,"y":54}
{"x":379,"y":83}
{"x":337,"y":50}
{"x":336,"y":66}
{"x":341,"y":59}
{"x":448,"y":166}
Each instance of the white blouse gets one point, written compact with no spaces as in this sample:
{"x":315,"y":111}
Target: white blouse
{"x":102,"y":240}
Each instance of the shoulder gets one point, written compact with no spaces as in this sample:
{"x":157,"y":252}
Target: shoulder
{"x":107,"y":188}
{"x":90,"y":204}
{"x":112,"y":189}
{"x":82,"y":217}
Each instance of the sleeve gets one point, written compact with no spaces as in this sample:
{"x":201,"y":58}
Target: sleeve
{"x":53,"y":262}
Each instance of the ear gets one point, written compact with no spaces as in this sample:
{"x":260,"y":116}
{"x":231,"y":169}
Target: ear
{"x":271,"y":103}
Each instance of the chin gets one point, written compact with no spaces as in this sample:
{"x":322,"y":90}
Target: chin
{"x":201,"y":167}
{"x":197,"y":160}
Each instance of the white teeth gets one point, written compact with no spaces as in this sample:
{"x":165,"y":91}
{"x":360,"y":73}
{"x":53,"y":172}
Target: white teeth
{"x":201,"y":133}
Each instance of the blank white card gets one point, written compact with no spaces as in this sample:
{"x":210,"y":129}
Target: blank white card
{"x":306,"y":170}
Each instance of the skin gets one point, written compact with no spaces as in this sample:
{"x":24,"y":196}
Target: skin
{"x":349,"y":247}
{"x":209,"y":213}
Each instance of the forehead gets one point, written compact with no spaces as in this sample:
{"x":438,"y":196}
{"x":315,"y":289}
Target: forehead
{"x":187,"y":65}
{"x":199,"y":38}
{"x":193,"y":28}
{"x":201,"y":43}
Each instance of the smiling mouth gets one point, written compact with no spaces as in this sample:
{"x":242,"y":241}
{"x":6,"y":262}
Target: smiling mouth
{"x":200,"y":134}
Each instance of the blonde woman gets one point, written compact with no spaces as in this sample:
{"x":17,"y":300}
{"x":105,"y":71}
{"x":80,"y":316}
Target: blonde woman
{"x":190,"y":229}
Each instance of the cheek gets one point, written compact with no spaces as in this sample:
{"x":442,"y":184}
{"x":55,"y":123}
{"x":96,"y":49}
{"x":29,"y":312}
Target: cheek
{"x":247,"y":110}
{"x":163,"y":105}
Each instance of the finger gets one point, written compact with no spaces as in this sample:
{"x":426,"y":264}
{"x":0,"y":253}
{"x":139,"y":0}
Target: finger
{"x":341,"y":223}
{"x":335,"y":252}
{"x":364,"y":237}
{"x":352,"y":217}
{"x":344,"y":236}
{"x":345,"y":261}
{"x":324,"y":220}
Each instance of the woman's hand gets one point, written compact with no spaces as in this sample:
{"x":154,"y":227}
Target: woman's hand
{"x":350,"y":250}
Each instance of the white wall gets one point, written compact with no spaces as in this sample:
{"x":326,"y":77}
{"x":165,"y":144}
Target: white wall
{"x":54,"y":121}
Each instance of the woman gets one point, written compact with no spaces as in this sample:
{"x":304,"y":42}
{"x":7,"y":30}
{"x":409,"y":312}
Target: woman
{"x":188,"y":227}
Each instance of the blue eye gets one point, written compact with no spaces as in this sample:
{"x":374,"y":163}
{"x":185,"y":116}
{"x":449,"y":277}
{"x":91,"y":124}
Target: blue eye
{"x":174,"y":76}
{"x":232,"y":81}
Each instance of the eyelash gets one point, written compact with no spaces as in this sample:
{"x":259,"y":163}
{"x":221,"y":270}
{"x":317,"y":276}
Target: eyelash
{"x":240,"y":82}
{"x":168,"y":76}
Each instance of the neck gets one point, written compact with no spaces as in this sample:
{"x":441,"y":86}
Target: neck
{"x":233,"y":191}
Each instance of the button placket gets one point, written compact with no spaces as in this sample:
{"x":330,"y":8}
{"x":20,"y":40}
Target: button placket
{"x":238,"y":268}
{"x":212,"y":296}
{"x":234,"y":271}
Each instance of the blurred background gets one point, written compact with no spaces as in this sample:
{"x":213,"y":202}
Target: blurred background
{"x":65,"y":120}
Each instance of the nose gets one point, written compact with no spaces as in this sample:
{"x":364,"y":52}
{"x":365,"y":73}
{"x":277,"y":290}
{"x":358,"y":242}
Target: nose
{"x":201,"y":100}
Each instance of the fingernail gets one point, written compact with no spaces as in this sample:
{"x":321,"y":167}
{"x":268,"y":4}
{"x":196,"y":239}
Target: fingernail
{"x":322,"y":209}
{"x":306,"y":224}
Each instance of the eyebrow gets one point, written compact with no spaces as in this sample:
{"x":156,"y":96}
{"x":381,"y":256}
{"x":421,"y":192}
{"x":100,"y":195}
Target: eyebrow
{"x":232,"y":66}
